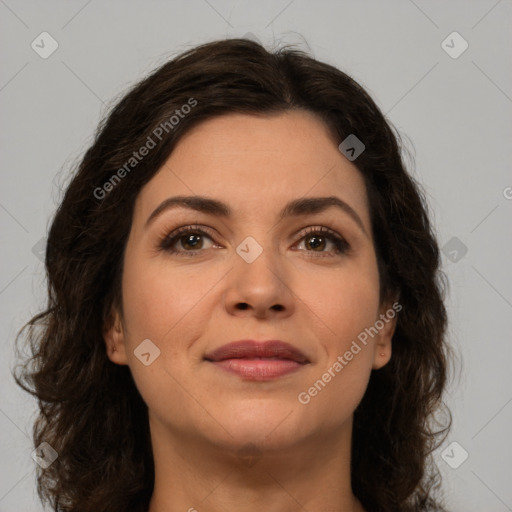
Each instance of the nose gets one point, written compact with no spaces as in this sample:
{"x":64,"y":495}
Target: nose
{"x":261,"y":288}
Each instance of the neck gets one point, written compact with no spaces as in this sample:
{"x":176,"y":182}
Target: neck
{"x":194,"y":475}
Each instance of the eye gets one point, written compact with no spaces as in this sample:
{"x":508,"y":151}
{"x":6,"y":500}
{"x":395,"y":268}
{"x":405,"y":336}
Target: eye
{"x":189,"y":237}
{"x":192,"y":238}
{"x":318,"y":237}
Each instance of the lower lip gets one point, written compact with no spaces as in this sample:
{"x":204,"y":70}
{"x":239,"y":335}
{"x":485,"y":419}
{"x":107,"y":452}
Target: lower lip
{"x":259,"y":369}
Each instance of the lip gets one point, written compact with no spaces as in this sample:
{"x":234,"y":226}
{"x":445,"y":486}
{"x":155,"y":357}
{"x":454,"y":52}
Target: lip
{"x":258,"y":360}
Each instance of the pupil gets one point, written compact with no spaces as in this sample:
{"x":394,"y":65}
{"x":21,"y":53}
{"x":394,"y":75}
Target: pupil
{"x":189,"y":237}
{"x":316,"y":244}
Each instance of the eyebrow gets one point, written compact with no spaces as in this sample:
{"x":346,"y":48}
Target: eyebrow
{"x":295,"y":208}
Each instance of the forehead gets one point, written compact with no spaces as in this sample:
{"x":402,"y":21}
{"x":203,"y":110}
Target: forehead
{"x":256,"y":164}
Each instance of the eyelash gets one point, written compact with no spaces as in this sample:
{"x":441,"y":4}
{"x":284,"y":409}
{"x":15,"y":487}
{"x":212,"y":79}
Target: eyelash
{"x":167,"y":241}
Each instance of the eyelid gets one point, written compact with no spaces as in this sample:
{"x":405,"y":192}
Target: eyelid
{"x":342,"y":246}
{"x":169,"y":239}
{"x":183,"y":230}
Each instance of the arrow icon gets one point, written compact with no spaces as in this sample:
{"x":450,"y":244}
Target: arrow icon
{"x":44,"y":455}
{"x":352,"y":147}
{"x":249,"y":249}
{"x":249,"y":455}
{"x":252,"y":37}
{"x":147,"y":352}
{"x":454,"y":45}
{"x":44,"y":45}
{"x":454,"y":455}
{"x":454,"y":249}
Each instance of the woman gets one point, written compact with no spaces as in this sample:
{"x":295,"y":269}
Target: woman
{"x":245,"y":306}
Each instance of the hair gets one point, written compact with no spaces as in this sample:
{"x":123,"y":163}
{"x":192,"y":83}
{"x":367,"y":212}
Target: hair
{"x":90,"y":410}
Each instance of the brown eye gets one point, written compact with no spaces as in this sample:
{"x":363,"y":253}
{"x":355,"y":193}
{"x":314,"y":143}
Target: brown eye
{"x":192,"y":241}
{"x":186,"y":240}
{"x":318,"y":242}
{"x":317,"y":239}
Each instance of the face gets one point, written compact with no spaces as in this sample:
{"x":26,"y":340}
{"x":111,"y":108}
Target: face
{"x":308,"y":278}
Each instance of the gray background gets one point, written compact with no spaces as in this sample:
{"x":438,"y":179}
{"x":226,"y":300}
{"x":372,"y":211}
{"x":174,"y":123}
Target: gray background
{"x":455,"y":113}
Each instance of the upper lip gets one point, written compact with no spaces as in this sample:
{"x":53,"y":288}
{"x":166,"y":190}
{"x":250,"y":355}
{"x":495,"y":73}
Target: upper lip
{"x":251,"y":349}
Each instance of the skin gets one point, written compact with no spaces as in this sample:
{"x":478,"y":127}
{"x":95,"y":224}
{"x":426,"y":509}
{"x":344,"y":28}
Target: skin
{"x":203,"y":419}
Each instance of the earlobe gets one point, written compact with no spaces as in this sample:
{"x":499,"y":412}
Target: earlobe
{"x":114,"y":340}
{"x":383,"y":340}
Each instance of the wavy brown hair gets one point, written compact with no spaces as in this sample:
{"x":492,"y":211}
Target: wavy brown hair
{"x":90,"y":411}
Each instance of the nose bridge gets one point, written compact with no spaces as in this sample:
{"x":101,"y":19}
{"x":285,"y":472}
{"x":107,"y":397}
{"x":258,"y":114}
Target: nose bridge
{"x":259,"y":260}
{"x":256,"y":234}
{"x":259,"y":277}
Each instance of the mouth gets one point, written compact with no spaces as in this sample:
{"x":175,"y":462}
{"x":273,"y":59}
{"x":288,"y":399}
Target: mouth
{"x":258,"y":360}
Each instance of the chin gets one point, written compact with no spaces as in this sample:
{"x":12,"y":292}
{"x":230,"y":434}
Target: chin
{"x":269,"y":423}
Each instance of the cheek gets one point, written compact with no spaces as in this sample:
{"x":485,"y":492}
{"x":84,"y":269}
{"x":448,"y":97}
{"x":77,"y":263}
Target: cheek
{"x":161,"y":304}
{"x":347,"y":304}
{"x":343,"y":303}
{"x":159,"y":300}
{"x":354,"y":310}
{"x":339,"y":381}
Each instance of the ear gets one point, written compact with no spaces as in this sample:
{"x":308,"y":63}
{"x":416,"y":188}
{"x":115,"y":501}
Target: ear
{"x":386,"y":325}
{"x":113,"y":334}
